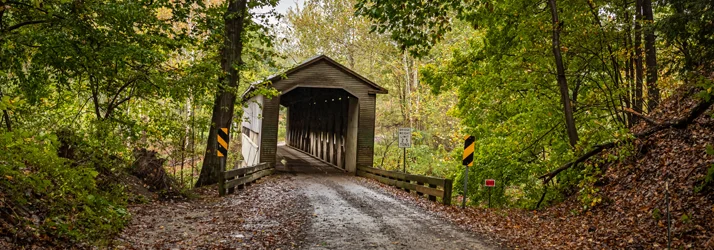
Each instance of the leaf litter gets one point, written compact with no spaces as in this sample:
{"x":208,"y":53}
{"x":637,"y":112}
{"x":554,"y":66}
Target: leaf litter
{"x":268,"y":215}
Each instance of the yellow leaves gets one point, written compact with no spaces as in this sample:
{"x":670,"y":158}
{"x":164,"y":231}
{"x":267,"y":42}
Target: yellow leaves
{"x":164,"y":13}
{"x":9,"y":178}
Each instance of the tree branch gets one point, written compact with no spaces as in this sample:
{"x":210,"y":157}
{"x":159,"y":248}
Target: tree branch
{"x":95,"y":96}
{"x":640,"y":115}
{"x":121,"y":89}
{"x":20,"y":25}
{"x":8,"y":123}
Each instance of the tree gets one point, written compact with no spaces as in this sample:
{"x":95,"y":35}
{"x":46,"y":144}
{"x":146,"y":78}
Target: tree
{"x":638,"y":99}
{"x":562,"y":82}
{"x":653,"y":95}
{"x":239,"y":31}
{"x":222,"y":117}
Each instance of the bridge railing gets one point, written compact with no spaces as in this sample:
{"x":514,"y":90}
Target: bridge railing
{"x":423,"y":185}
{"x":240,"y":177}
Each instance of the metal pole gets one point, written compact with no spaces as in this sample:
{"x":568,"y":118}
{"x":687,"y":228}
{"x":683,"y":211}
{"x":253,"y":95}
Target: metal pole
{"x":669,"y":221}
{"x":489,"y":197}
{"x":466,"y":181}
{"x":405,"y":160}
{"x":221,"y":180}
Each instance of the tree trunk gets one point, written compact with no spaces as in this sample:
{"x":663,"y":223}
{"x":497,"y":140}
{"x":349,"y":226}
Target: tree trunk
{"x":629,"y":69}
{"x":225,"y":99}
{"x":638,"y":100}
{"x":6,"y":117}
{"x":653,"y":95}
{"x":562,"y":81}
{"x":407,"y":89}
{"x":8,"y":123}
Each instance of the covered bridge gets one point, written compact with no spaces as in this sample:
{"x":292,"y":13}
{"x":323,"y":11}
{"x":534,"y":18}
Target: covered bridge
{"x":330,"y":115}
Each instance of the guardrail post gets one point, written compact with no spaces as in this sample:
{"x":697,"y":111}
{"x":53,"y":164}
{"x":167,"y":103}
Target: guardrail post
{"x":420,"y":193}
{"x":447,"y":192}
{"x":431,"y":197}
{"x":241,"y":186}
{"x":231,"y":190}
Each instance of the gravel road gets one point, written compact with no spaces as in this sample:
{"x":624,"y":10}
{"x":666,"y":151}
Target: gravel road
{"x":349,"y":215}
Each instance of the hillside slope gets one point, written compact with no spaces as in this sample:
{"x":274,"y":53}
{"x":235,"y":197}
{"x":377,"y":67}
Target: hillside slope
{"x":631,"y":211}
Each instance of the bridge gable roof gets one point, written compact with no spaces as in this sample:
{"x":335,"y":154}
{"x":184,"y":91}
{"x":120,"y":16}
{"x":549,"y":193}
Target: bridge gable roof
{"x":278,"y":80}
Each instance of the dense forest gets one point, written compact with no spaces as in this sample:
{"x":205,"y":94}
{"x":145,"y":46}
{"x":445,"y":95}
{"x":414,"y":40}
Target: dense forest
{"x":556,"y":92}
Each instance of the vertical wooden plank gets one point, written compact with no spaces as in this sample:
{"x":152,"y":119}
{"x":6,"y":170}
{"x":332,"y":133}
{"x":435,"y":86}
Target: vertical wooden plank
{"x":231,"y":189}
{"x":301,"y":133}
{"x":312,"y":129}
{"x":447,"y":192}
{"x":325,"y":120}
{"x":241,"y":186}
{"x":334,"y":117}
{"x":431,"y":197}
{"x":328,"y":131}
{"x":320,"y":132}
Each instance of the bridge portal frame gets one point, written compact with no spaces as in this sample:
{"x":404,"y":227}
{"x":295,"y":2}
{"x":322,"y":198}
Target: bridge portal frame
{"x":331,"y":115}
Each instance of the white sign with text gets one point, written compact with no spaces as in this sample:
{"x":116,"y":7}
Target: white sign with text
{"x":405,"y":137}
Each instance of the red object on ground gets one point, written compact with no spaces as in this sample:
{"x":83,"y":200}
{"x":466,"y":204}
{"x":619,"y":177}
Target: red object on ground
{"x":490,"y":182}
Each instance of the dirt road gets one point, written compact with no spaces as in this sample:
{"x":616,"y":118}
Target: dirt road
{"x":306,"y":205}
{"x":349,"y":215}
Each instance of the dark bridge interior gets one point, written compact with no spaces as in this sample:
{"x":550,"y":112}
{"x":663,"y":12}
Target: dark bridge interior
{"x":323,"y":123}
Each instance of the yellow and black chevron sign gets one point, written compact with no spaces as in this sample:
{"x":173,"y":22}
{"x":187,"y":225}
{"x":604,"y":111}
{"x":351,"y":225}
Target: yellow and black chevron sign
{"x":222,"y":138}
{"x":469,"y":151}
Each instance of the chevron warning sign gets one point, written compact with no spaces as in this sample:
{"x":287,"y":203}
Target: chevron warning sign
{"x":222,"y":138}
{"x":469,"y":151}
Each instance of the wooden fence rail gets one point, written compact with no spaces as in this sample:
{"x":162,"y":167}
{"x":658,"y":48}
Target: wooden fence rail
{"x":431,"y":186}
{"x":242,"y":176}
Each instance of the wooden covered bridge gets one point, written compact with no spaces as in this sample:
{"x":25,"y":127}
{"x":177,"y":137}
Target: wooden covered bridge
{"x":330,"y":115}
{"x":330,"y":120}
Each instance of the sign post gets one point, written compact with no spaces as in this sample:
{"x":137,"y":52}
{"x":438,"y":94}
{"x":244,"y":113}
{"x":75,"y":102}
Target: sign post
{"x":468,"y":161}
{"x":490,"y":183}
{"x":405,"y":141}
{"x":222,"y":150}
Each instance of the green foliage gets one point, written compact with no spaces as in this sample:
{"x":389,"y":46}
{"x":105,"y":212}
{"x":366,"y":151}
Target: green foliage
{"x":421,"y":23}
{"x":505,"y":83}
{"x":656,"y":214}
{"x":588,"y":194}
{"x":64,"y":195}
{"x":686,"y":218}
{"x":686,"y":27}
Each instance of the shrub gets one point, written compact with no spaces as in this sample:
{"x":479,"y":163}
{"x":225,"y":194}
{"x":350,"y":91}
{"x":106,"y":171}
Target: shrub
{"x":61,"y":200}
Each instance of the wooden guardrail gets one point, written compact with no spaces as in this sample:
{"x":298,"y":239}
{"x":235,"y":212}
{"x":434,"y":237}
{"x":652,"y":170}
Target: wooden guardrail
{"x":241,"y":177}
{"x":431,"y":186}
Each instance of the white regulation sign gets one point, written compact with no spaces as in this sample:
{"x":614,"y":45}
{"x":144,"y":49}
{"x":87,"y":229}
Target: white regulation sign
{"x":405,"y":137}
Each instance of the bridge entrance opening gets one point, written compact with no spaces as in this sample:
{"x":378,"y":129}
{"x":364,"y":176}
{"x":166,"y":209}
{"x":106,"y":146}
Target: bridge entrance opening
{"x":322,"y":122}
